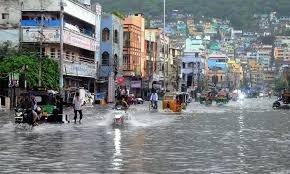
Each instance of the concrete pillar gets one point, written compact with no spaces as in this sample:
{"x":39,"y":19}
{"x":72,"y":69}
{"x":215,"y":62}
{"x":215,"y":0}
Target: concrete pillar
{"x":7,"y":103}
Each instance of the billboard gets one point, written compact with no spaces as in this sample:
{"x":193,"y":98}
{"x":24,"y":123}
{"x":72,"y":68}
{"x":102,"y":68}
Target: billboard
{"x":36,"y":35}
{"x":79,"y":40}
{"x":81,"y":70}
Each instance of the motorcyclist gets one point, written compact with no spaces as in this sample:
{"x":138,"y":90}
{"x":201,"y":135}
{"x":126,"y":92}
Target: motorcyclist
{"x":35,"y":111}
{"x":154,"y":100}
{"x":122,"y":103}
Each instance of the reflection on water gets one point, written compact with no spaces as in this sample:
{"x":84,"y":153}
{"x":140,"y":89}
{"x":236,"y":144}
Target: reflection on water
{"x":240,"y":137}
{"x":117,"y":161}
{"x":241,"y":146}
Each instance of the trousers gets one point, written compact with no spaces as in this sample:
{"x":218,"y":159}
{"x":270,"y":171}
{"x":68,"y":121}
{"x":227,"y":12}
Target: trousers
{"x":76,"y":114}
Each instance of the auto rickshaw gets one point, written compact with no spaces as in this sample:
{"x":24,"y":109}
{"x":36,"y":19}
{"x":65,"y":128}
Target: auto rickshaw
{"x":49,"y":102}
{"x":282,"y":101}
{"x":222,"y":97}
{"x":175,"y":102}
{"x":206,"y":97}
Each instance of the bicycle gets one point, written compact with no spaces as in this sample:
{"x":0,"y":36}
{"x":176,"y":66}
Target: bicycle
{"x":151,"y":106}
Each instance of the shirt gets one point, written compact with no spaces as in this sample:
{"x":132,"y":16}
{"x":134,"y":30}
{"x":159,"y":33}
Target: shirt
{"x":77,"y":103}
{"x":154,"y":97}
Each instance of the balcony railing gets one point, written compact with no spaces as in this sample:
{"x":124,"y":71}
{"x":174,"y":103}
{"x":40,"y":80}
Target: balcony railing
{"x":48,"y":23}
{"x":87,"y":60}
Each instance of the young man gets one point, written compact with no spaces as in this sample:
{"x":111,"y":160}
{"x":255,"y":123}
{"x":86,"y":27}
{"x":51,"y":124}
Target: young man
{"x":154,"y":99}
{"x":78,"y":103}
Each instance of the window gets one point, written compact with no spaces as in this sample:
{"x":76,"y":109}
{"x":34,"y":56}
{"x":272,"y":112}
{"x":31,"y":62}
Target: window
{"x":58,"y":53}
{"x":126,"y":37}
{"x":52,"y":52}
{"x":183,"y":65}
{"x":196,"y":55}
{"x":116,"y":38}
{"x":67,"y":55}
{"x":5,"y":16}
{"x":126,"y":62}
{"x":105,"y":34}
{"x":105,"y":58}
{"x":73,"y":56}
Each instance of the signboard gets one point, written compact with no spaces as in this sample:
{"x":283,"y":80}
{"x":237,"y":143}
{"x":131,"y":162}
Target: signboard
{"x":135,"y":84}
{"x":13,"y":80}
{"x":34,"y":35}
{"x":79,"y":70}
{"x":120,"y":80}
{"x":79,"y":40}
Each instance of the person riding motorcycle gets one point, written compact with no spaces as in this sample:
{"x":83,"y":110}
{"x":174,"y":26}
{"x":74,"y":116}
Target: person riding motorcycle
{"x":36,"y":111}
{"x":154,"y":100}
{"x":122,"y":103}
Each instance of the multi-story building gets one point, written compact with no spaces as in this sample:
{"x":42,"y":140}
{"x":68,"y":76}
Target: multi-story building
{"x":41,"y":28}
{"x":217,"y":69}
{"x":134,"y":52}
{"x":235,"y":74}
{"x":10,"y":15}
{"x":256,"y":73}
{"x":174,"y":68}
{"x":111,"y":52}
{"x":151,"y":52}
{"x":282,"y":50}
{"x":193,"y":63}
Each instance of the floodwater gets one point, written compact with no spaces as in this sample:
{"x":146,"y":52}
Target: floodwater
{"x":247,"y":136}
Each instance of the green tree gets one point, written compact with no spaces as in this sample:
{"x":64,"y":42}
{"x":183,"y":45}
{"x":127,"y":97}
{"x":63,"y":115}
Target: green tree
{"x":16,"y":63}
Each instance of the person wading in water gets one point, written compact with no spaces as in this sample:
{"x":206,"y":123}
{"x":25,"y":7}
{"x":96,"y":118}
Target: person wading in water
{"x":78,"y":103}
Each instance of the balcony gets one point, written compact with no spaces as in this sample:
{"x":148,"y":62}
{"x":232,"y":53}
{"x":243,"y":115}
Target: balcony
{"x":37,"y":23}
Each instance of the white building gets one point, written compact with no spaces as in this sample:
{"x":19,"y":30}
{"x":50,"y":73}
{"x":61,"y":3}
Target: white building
{"x":192,"y":68}
{"x":40,"y":32}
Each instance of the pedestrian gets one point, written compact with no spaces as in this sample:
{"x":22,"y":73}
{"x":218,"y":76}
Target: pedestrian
{"x":78,"y":103}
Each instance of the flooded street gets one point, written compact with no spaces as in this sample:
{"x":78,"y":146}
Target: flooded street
{"x":240,"y":137}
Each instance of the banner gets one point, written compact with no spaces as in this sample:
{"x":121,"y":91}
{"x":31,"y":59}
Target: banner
{"x":135,"y":84}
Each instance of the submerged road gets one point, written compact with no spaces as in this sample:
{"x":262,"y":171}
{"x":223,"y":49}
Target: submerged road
{"x":240,"y":137}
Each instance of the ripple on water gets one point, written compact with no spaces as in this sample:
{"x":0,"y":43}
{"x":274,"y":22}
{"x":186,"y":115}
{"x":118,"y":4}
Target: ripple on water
{"x":217,"y":139}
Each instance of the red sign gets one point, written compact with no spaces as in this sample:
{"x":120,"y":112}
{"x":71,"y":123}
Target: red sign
{"x":120,"y":80}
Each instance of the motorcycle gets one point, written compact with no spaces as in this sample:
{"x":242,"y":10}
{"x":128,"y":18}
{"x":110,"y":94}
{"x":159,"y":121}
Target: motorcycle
{"x":23,"y":116}
{"x":119,"y":116}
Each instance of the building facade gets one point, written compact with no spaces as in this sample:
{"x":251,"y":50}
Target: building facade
{"x":134,"y":52}
{"x":111,"y":51}
{"x":217,"y":69}
{"x":193,"y":63}
{"x":41,"y":29}
{"x":9,"y":21}
{"x":174,"y":68}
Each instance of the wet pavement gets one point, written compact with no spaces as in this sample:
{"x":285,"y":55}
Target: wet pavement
{"x":241,"y":137}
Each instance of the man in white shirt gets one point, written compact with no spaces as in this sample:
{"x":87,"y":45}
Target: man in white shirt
{"x":78,"y":103}
{"x":154,"y":99}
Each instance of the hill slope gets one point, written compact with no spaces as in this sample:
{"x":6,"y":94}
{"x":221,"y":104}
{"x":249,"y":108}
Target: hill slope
{"x":240,"y":12}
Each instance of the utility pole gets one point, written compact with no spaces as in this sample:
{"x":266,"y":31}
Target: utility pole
{"x":164,"y":61}
{"x":40,"y":47}
{"x":61,"y":48}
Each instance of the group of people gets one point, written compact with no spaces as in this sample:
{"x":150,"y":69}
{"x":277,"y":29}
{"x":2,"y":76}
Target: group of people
{"x":122,"y":96}
{"x":30,"y":104}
